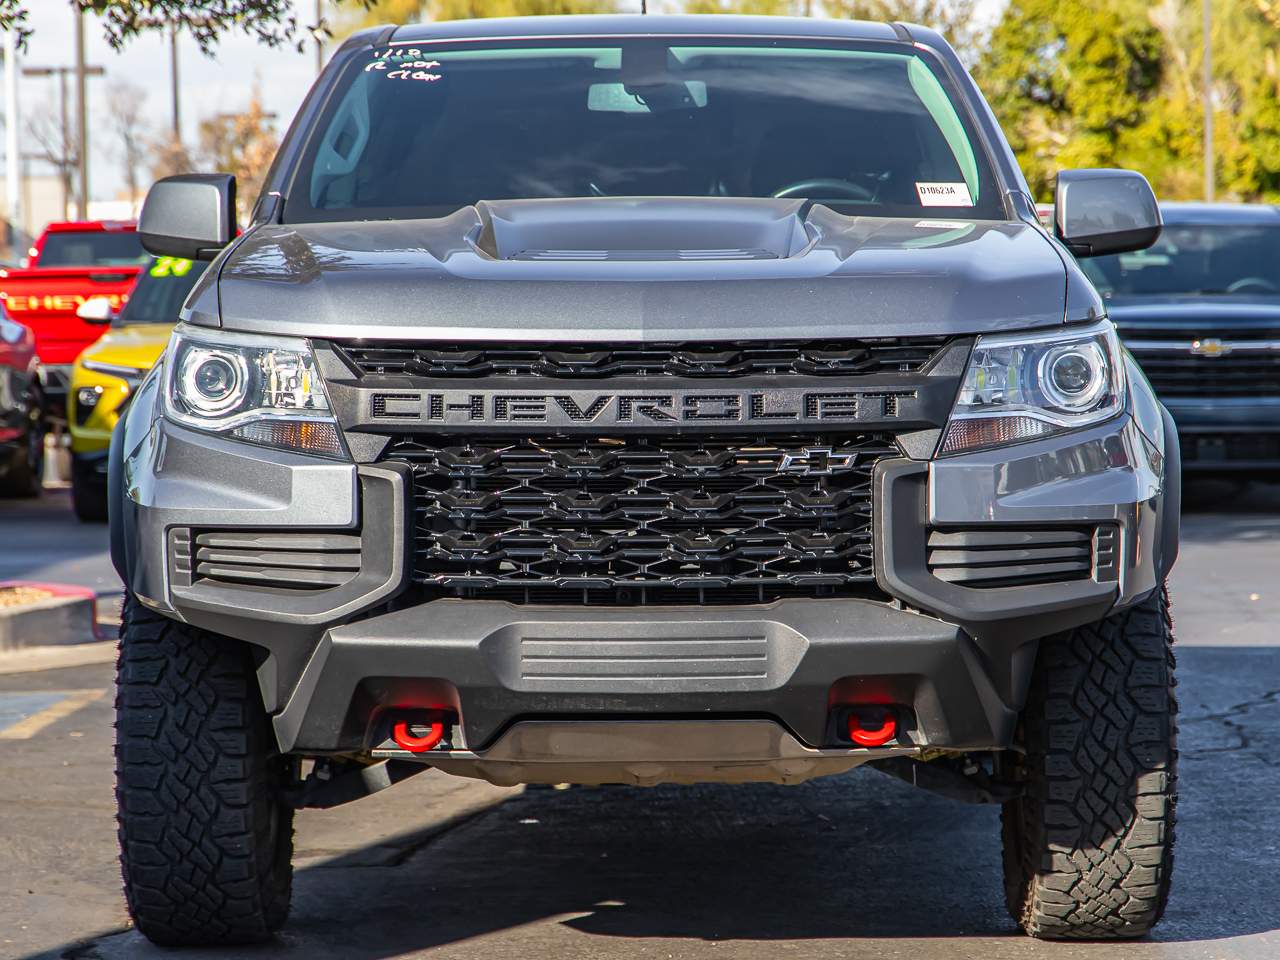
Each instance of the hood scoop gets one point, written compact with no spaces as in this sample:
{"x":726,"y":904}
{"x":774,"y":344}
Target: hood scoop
{"x":604,"y":229}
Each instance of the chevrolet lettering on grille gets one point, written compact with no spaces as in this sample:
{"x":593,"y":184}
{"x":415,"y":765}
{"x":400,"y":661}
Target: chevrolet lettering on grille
{"x":638,"y":408}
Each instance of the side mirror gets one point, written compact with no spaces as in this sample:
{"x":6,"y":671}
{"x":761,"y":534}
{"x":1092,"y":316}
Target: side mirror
{"x":191,"y":216}
{"x":1105,"y":211}
{"x":95,"y":310}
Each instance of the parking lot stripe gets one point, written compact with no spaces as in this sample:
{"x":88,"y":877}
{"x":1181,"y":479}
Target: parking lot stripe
{"x":65,"y":703}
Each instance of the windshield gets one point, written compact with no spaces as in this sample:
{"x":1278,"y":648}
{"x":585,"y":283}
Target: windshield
{"x":420,"y":131}
{"x":160,"y":291}
{"x":1221,"y":259}
{"x":120,"y":248}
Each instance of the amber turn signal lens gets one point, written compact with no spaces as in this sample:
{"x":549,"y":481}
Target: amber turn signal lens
{"x":307,"y":436}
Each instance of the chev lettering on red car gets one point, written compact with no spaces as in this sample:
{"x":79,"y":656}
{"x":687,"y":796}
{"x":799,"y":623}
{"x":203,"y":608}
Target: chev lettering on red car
{"x":71,"y":263}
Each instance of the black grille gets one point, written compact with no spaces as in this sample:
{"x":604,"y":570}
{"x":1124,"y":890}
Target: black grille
{"x":1235,"y":375}
{"x":686,"y":360}
{"x":1223,"y":450}
{"x":720,"y":519}
{"x":1249,"y":369}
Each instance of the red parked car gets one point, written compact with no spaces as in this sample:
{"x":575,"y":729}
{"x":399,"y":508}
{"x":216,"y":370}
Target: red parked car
{"x":70,"y":264}
{"x":21,"y":411}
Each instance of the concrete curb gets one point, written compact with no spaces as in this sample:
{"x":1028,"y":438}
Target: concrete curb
{"x":47,"y":614}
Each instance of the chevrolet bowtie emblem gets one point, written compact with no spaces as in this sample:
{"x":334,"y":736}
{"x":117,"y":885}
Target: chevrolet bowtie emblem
{"x":817,"y":461}
{"x":1210,"y":347}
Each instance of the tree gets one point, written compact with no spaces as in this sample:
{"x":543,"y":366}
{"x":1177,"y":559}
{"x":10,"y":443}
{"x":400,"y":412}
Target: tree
{"x":1118,"y":83}
{"x":1072,"y":83}
{"x":954,"y":19}
{"x":764,"y":8}
{"x":56,"y":145}
{"x":169,"y":156}
{"x":273,"y":22}
{"x":242,"y":144}
{"x":412,"y":11}
{"x":125,"y":107}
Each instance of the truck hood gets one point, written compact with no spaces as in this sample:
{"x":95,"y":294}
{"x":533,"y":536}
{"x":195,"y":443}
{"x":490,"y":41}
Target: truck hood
{"x":136,"y":345}
{"x":1194,"y":314}
{"x":641,"y":269}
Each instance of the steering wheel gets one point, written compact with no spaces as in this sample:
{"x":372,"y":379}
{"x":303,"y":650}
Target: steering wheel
{"x":1258,"y":284}
{"x":825,"y":186}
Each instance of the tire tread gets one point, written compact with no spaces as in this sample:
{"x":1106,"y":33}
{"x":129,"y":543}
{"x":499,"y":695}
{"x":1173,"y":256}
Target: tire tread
{"x":205,"y":845}
{"x":1089,"y":847}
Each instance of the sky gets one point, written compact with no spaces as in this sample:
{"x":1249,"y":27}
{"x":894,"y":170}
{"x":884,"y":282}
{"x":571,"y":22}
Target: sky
{"x":223,"y":83}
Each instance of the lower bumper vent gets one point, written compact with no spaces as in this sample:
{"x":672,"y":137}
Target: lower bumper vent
{"x":295,"y":561}
{"x":986,"y":557}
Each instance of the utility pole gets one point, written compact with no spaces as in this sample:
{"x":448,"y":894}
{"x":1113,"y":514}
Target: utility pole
{"x":12,"y":157}
{"x":173,"y":82}
{"x":1210,"y":166}
{"x":318,"y":34}
{"x":64,"y":162}
{"x":82,"y":119}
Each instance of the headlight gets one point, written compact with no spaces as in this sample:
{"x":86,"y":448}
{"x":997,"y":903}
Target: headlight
{"x":1025,"y":386}
{"x":261,"y":389}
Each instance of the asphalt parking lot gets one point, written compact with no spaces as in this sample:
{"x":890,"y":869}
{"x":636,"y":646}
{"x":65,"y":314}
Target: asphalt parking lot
{"x":857,"y":866}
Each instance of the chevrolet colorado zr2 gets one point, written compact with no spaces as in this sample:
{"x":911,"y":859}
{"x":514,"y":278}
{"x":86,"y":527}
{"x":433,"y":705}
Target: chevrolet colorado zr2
{"x":626,"y":400}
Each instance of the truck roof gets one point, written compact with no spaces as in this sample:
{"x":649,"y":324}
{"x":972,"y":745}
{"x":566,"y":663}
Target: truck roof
{"x":596,"y":25}
{"x":90,"y":226}
{"x":1226,"y":214}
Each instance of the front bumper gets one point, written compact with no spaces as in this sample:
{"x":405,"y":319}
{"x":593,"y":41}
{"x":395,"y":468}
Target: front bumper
{"x":794,"y":661}
{"x":1228,"y":434}
{"x":337,"y":662}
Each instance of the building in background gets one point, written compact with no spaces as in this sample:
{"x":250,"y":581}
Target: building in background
{"x":41,"y":202}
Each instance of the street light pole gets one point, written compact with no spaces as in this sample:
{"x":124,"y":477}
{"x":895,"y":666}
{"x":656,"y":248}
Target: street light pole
{"x":319,"y":37}
{"x":12,"y":157}
{"x":82,"y":119}
{"x":173,"y":82}
{"x":1209,"y":164}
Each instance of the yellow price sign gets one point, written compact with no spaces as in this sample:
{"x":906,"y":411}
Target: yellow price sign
{"x":170,"y":267}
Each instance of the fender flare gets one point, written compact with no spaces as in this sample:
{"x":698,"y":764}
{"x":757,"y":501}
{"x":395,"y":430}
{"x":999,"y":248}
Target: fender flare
{"x":118,"y":516}
{"x":1171,"y":501}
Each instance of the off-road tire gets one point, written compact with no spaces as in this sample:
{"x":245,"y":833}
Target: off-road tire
{"x":1088,"y":849}
{"x":25,"y":476}
{"x":88,"y":499}
{"x":205,"y":843}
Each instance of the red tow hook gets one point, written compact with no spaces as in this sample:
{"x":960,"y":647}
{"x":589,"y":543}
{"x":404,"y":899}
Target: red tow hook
{"x":414,"y":743}
{"x":878,"y":737}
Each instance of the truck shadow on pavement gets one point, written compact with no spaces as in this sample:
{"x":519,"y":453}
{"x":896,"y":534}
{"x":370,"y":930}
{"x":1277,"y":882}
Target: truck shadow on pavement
{"x":858,"y":857}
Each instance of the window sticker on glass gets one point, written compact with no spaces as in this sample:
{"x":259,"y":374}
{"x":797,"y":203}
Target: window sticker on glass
{"x":407,"y":64}
{"x":944,"y":194}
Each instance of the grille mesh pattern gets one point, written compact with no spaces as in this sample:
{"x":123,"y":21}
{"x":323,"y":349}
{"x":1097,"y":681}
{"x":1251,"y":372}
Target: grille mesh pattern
{"x":1251,"y":369}
{"x":1235,"y":375}
{"x":643,"y":520}
{"x":687,"y":360}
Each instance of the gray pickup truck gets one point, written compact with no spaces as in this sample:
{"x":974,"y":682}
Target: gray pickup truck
{"x":634,"y":400}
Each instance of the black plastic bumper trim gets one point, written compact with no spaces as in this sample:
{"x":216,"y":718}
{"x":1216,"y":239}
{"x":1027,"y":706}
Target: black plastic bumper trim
{"x":788,"y":660}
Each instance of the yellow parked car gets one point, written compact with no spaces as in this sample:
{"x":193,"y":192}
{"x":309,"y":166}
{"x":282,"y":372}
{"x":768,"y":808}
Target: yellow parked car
{"x":108,"y":371}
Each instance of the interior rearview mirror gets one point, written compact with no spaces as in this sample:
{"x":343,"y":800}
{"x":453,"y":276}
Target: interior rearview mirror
{"x":191,"y":216}
{"x":1105,"y":211}
{"x":95,"y":310}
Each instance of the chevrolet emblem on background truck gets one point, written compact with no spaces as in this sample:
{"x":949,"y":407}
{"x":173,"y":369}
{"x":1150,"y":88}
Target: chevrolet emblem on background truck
{"x":1210,"y":347}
